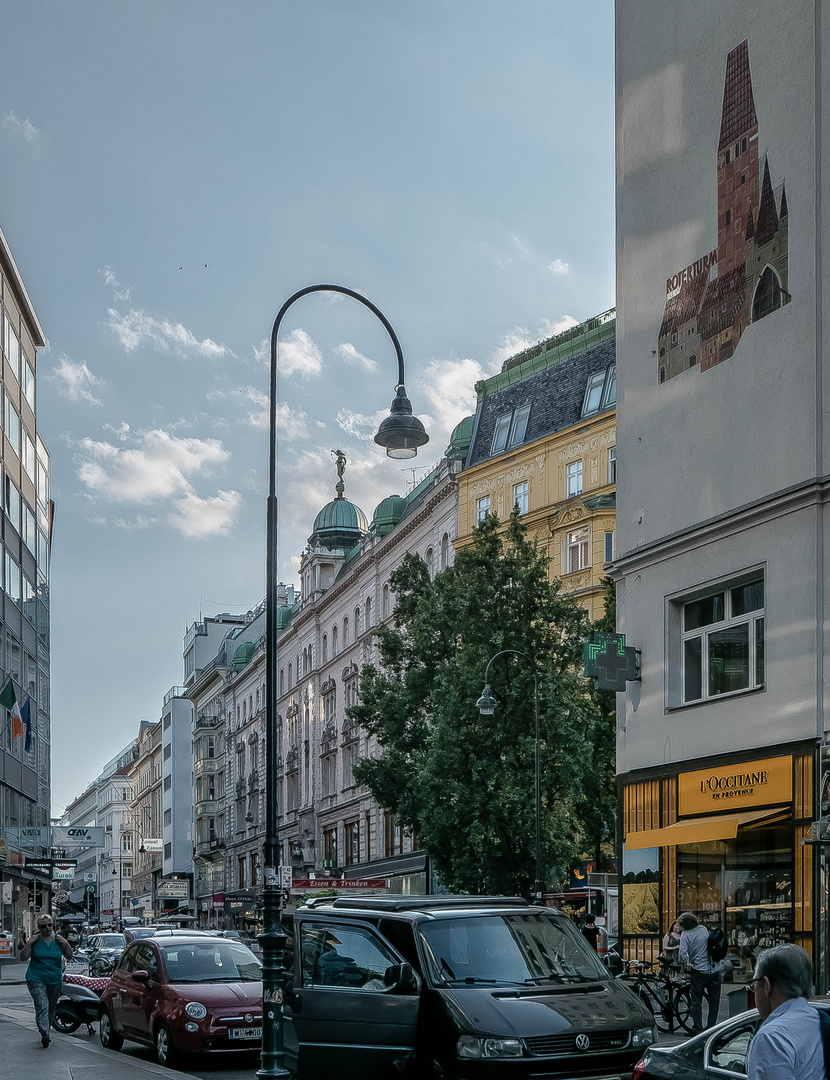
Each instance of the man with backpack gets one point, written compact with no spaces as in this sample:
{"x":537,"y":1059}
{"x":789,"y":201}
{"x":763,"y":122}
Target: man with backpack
{"x":696,"y":954}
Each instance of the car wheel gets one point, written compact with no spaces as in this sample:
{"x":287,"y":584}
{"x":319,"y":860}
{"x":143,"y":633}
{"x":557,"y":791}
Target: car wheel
{"x":165,"y":1050}
{"x":106,"y":1033}
{"x":65,"y":1021}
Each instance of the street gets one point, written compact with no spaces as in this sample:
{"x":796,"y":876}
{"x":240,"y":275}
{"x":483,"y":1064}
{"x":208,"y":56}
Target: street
{"x":16,"y":1009}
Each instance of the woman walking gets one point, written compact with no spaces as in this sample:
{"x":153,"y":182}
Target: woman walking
{"x":45,"y":952}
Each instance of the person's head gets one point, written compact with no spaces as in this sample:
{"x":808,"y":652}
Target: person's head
{"x":590,"y":920}
{"x":677,"y":927}
{"x":688,"y":921}
{"x":781,"y":973}
{"x":44,"y":924}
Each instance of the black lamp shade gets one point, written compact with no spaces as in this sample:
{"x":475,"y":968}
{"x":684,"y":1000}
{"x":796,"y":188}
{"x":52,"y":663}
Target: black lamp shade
{"x":487,"y":704}
{"x":401,"y":433}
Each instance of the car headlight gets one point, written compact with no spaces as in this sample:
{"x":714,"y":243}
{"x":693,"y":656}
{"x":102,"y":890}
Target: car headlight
{"x":468,"y":1046}
{"x":643,"y":1037}
{"x":196,"y":1010}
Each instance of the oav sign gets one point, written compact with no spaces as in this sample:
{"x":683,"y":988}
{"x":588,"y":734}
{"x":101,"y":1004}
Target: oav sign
{"x":77,"y":836}
{"x":736,"y":787}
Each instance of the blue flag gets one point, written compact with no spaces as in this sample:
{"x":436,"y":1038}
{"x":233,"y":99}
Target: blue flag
{"x":26,"y":717}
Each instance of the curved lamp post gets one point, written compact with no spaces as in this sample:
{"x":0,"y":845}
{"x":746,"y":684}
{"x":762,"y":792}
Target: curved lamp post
{"x":401,"y":433}
{"x":487,"y":705}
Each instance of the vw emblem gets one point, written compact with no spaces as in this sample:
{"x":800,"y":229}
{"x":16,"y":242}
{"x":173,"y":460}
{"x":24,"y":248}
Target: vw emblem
{"x":248,"y":1018}
{"x":582,"y":1042}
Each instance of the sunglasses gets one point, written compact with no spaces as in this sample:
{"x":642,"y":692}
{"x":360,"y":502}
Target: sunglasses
{"x":44,"y":924}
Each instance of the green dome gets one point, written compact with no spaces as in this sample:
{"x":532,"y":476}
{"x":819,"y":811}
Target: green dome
{"x":460,"y":439}
{"x":387,"y":514}
{"x":284,"y":615}
{"x":340,"y":524}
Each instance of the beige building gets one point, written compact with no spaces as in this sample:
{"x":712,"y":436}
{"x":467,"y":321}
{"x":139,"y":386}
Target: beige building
{"x":145,"y":819}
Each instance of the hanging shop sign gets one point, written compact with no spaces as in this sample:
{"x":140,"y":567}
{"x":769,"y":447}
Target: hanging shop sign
{"x":349,"y":884}
{"x":178,"y":890}
{"x":730,"y":787}
{"x":152,"y":845}
{"x":64,"y":836}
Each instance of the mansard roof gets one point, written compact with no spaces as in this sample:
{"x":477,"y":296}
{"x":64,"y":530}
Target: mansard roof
{"x":739,"y":114}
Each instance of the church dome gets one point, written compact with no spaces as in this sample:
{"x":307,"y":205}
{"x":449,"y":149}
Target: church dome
{"x":387,"y":514}
{"x":340,"y":524}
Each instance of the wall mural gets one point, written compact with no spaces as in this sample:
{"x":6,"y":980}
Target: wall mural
{"x":710,"y":303}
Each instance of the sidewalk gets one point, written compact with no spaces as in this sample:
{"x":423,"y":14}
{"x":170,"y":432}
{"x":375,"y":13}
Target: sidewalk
{"x":67,"y":1058}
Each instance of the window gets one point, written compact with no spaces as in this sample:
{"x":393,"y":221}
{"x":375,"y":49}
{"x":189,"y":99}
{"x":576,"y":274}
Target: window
{"x":368,"y":618}
{"x":352,"y":830}
{"x":168,"y":850}
{"x":430,"y":561}
{"x":445,"y":551}
{"x":609,"y":547}
{"x":341,"y":955}
{"x":13,"y":426}
{"x":357,"y":626}
{"x":211,"y":746}
{"x":728,"y":217}
{"x":334,"y":641}
{"x":29,"y":385}
{"x":518,"y":429}
{"x":482,"y":509}
{"x":12,"y":579}
{"x":330,"y":847}
{"x":325,"y":648}
{"x":500,"y":434}
{"x":167,"y":752}
{"x":168,"y":817}
{"x":593,"y":393}
{"x":385,"y":606}
{"x":573,"y":479}
{"x":601,"y":391}
{"x":578,"y":543}
{"x":329,"y":770}
{"x":346,"y":631}
{"x":768,"y":294}
{"x":612,"y":465}
{"x":520,"y":496}
{"x":168,"y":783}
{"x":12,"y":348}
{"x":349,"y":759}
{"x":723,"y":642}
{"x":242,"y":866}
{"x":392,"y":835}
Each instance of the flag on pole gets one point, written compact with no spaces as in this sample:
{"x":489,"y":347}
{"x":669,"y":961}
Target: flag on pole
{"x":26,"y":717}
{"x":8,"y":698}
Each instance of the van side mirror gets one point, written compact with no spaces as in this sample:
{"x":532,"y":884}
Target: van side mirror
{"x":400,"y":979}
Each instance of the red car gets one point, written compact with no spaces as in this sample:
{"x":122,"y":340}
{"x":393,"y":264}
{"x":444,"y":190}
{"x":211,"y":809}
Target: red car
{"x":184,"y":995}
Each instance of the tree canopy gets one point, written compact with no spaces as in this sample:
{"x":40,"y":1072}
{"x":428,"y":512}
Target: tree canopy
{"x":461,"y":782}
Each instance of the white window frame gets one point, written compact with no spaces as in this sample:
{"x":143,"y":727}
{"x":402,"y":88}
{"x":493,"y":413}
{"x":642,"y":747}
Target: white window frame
{"x":521,"y":495}
{"x":518,"y":429}
{"x":612,"y":464}
{"x":756,"y":622}
{"x":501,"y":433}
{"x":482,"y":510}
{"x":573,"y":479}
{"x":609,"y":546}
{"x":578,"y":550}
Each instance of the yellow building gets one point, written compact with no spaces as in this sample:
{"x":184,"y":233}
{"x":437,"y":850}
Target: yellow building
{"x":544,"y":436}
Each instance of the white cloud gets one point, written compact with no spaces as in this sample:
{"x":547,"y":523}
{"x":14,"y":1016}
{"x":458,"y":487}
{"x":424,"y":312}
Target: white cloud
{"x":359,"y":425}
{"x":299,"y":355}
{"x":292,"y":423}
{"x":120,"y":292}
{"x":213,"y":516}
{"x":157,"y":466}
{"x":25,"y":130}
{"x":520,"y":338}
{"x":523,"y":250}
{"x":352,"y":356}
{"x":75,"y":381}
{"x":450,"y":389}
{"x":559,"y":266}
{"x":137,"y":326}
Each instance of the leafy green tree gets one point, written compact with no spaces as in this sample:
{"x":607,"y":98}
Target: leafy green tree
{"x":461,"y":782}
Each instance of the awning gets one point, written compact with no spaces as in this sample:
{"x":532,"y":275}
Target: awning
{"x":697,"y":830}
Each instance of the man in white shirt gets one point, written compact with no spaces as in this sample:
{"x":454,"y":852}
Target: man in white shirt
{"x":704,"y":973}
{"x":788,"y":1044}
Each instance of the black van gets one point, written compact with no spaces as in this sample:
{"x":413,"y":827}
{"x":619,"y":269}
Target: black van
{"x":453,"y":986}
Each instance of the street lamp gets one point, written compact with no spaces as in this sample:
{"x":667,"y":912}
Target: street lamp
{"x":401,"y":434}
{"x":487,"y":705}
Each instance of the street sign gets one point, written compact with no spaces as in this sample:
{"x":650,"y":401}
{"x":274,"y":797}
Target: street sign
{"x":77,"y":836}
{"x":350,"y":884}
{"x":173,"y":890}
{"x":40,"y":866}
{"x":152,"y":845}
{"x":89,"y":876}
{"x":63,"y":869}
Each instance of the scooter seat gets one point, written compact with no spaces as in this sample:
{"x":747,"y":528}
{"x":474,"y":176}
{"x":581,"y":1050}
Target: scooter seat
{"x":98,"y":986}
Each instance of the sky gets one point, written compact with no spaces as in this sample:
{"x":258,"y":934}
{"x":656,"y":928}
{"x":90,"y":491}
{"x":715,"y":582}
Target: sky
{"x":170,"y":172}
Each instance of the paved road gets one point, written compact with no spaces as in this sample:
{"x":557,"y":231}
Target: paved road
{"x":16,"y":1009}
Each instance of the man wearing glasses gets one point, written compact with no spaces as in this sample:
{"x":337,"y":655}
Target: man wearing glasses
{"x":45,"y":952}
{"x":788,"y":1043}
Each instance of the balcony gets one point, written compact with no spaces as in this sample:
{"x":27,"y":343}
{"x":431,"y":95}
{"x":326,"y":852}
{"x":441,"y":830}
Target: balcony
{"x":207,"y":765}
{"x":209,"y":849}
{"x":208,"y":807}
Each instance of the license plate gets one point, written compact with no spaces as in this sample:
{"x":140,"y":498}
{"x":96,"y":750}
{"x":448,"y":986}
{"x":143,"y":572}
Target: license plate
{"x":245,"y":1033}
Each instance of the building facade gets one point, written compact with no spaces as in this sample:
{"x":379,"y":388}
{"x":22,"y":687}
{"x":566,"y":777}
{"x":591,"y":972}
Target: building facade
{"x":25,"y":535}
{"x":145,"y":820}
{"x":543,"y":438}
{"x":724,"y":491}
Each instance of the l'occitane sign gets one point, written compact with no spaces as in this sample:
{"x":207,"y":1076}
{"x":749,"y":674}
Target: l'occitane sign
{"x":752,"y":783}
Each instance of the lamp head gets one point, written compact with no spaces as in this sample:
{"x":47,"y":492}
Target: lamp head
{"x":401,"y":433}
{"x":487,"y":704}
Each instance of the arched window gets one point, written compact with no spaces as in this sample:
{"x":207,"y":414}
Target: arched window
{"x":357,"y":623}
{"x":385,"y":605}
{"x":768,"y":294}
{"x":238,"y":714}
{"x":250,"y":705}
{"x":334,"y":641}
{"x":257,"y":699}
{"x":325,"y":648}
{"x":345,"y":631}
{"x":282,"y":680}
{"x":445,"y":551}
{"x":244,"y":711}
{"x":430,"y":561}
{"x":368,"y":618}
{"x":289,"y":677}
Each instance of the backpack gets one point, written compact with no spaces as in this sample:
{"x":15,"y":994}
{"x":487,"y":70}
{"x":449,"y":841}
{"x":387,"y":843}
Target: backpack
{"x":716,"y":946}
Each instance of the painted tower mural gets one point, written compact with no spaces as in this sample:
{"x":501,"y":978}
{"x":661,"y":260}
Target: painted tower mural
{"x":710,"y":303}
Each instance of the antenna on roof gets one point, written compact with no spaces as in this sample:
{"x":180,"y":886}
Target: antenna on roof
{"x":413,"y":483}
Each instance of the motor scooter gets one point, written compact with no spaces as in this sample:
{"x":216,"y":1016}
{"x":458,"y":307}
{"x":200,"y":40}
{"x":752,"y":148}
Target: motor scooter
{"x":79,"y":1003}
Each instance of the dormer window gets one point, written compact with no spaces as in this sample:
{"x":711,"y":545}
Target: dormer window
{"x":601,"y":391}
{"x":511,"y":429}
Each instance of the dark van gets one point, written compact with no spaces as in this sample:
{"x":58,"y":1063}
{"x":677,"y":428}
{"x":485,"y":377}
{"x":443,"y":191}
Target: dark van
{"x":455,"y":987}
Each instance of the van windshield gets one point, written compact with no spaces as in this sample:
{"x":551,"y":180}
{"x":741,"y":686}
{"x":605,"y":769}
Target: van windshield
{"x":507,"y":950}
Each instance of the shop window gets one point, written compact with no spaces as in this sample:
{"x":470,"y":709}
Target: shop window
{"x":723,"y":641}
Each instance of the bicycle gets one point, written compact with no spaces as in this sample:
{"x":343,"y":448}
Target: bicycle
{"x":668,"y":997}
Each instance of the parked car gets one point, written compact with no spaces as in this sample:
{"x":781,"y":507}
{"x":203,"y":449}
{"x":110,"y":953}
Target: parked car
{"x":717,"y":1054}
{"x":137,"y":932}
{"x":483,"y":986}
{"x":184,"y":994}
{"x":103,"y":952}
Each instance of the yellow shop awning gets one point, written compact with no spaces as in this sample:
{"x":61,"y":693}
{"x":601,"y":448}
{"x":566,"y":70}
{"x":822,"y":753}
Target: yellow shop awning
{"x":697,"y":830}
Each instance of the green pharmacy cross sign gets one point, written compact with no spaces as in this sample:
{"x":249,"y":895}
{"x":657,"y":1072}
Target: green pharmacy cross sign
{"x":610,"y":662}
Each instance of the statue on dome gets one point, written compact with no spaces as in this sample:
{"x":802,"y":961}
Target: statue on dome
{"x":340,"y":465}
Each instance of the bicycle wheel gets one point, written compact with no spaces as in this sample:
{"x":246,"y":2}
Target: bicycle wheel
{"x":683,"y":1008}
{"x":648,"y":999}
